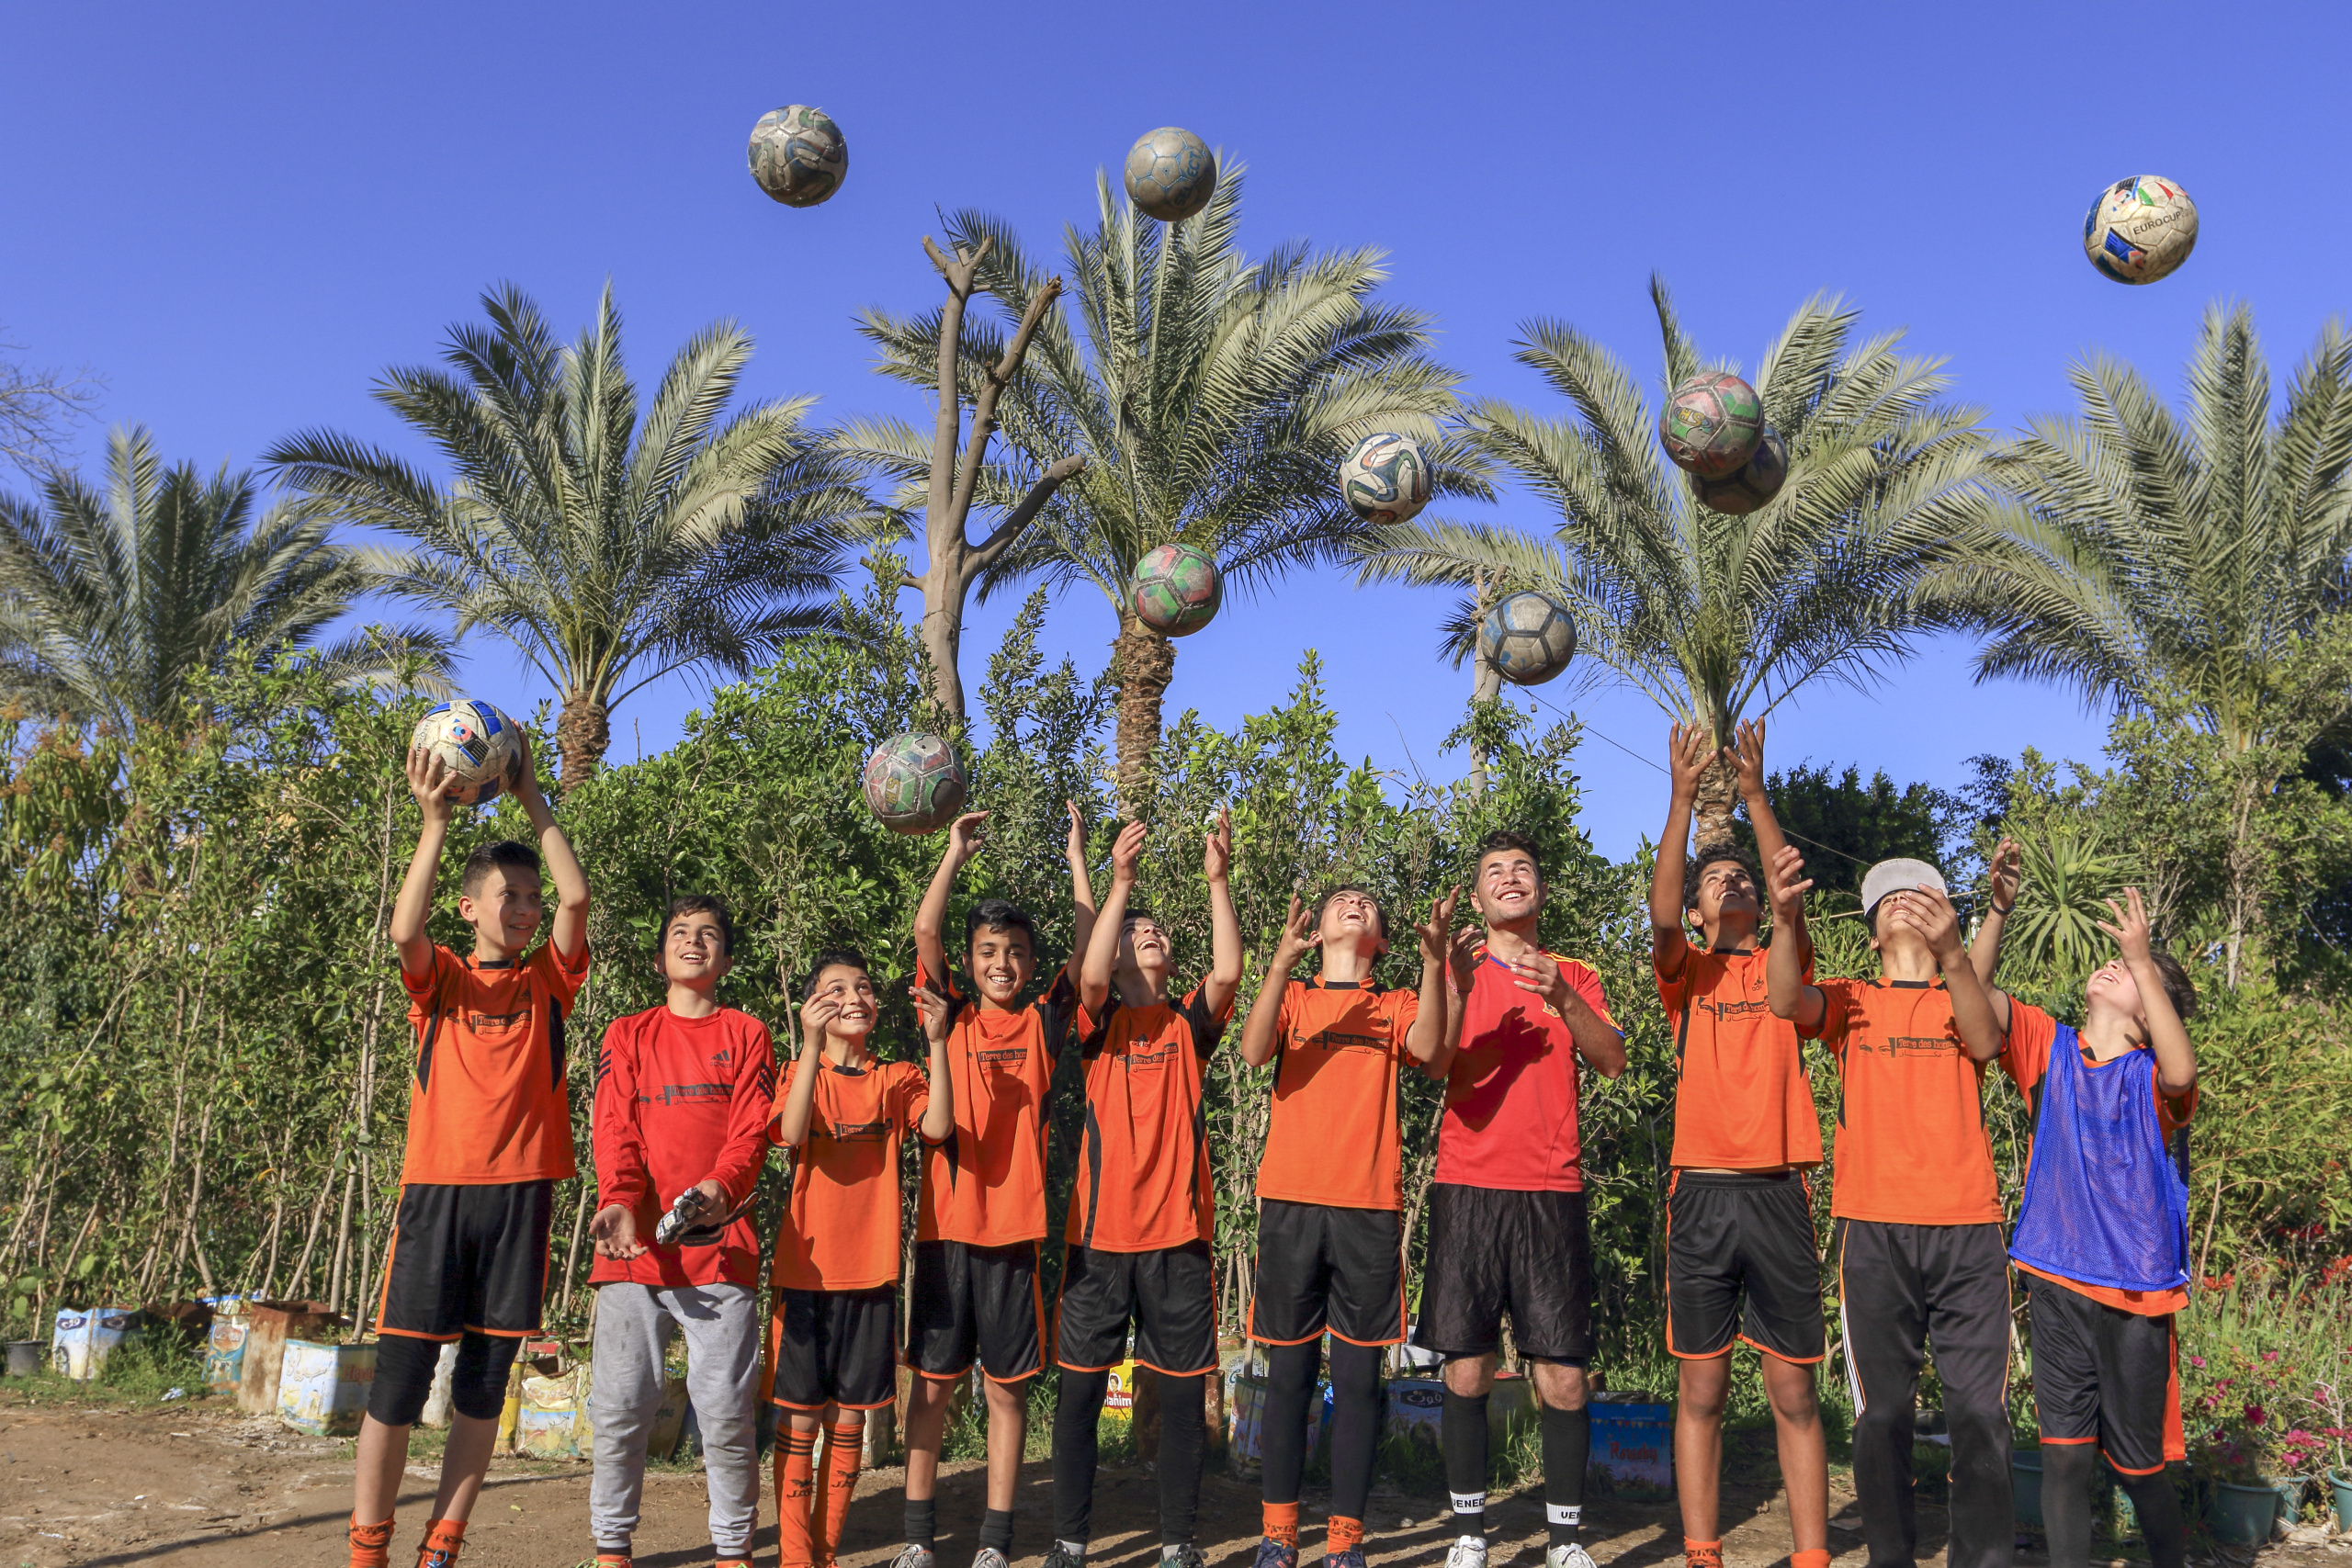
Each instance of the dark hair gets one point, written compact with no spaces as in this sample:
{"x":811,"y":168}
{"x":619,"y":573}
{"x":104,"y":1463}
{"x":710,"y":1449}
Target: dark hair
{"x":1136,"y":913}
{"x":710,"y":904}
{"x":1379,"y":915}
{"x":504,"y":854}
{"x":998,"y":915}
{"x":834,"y":958}
{"x":1715,"y":854}
{"x":1503,"y":839}
{"x":2178,"y":986}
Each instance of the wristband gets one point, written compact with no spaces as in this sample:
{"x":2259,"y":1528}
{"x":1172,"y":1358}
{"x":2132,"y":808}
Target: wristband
{"x":2000,"y":910}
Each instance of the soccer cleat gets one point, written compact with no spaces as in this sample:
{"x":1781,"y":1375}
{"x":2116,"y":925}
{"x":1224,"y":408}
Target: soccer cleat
{"x":1273,"y":1553}
{"x":1184,"y":1556}
{"x":1061,"y":1556}
{"x":1468,"y":1552}
{"x":1568,"y":1556}
{"x":1351,"y":1558}
{"x":914,"y":1556}
{"x":438,"y":1556}
{"x":989,"y":1557}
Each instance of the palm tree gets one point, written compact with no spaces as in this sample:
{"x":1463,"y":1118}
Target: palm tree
{"x":112,"y":602}
{"x":608,"y":550}
{"x":1211,"y":396}
{"x":1714,"y":617}
{"x":2193,"y":564}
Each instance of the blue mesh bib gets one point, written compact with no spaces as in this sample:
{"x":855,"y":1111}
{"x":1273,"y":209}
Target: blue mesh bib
{"x":2106,"y":1203}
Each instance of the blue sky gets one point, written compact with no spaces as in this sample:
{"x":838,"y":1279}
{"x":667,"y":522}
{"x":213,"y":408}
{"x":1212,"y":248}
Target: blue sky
{"x":240,"y":215}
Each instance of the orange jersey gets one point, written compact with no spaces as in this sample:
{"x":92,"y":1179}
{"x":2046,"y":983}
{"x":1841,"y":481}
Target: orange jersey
{"x":2026,"y":1057}
{"x":1741,"y":1097}
{"x":986,"y":1185}
{"x":1337,"y":1049}
{"x":1911,"y":1144}
{"x":841,"y":1230}
{"x":487,"y":1101}
{"x":1143,"y":1181}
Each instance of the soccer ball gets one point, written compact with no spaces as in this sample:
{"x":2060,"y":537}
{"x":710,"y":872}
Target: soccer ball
{"x":477,"y":743}
{"x":1170,"y":174}
{"x":1528,"y":639}
{"x":2140,"y":229}
{"x":1176,"y":590}
{"x":1385,"y":479}
{"x":797,"y":156}
{"x":1711,"y":424}
{"x":1758,"y":479}
{"x":915,"y":783}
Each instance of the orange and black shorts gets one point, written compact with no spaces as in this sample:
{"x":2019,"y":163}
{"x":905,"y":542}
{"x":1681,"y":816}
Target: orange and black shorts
{"x":1741,"y":1264}
{"x":2103,"y":1375}
{"x":834,"y":1348}
{"x":966,"y":1303}
{"x":1321,"y":1268}
{"x":470,"y":1258}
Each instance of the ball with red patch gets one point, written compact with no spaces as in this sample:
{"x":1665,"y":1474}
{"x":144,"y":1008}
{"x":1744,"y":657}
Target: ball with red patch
{"x":915,"y":783}
{"x":1711,"y":424}
{"x":477,"y":743}
{"x":1176,"y":590}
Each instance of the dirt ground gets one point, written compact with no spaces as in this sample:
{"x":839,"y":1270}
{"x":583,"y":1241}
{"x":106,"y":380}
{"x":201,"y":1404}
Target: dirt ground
{"x":83,"y":1484}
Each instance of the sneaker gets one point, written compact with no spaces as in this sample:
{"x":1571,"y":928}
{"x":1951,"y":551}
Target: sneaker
{"x":1351,"y":1558}
{"x":1060,"y":1556}
{"x":1468,"y":1552}
{"x":1184,"y":1556}
{"x":915,"y":1557}
{"x":438,"y":1556}
{"x":1273,"y":1553}
{"x":1568,"y":1556}
{"x":987,"y":1557}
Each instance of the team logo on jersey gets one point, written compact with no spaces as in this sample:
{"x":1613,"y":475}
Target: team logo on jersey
{"x":497,"y":1020}
{"x":1004,"y":1059}
{"x":681,"y":1093}
{"x":858,"y":1131}
{"x":1332,"y":1040}
{"x":1150,"y":1059}
{"x":1725,"y":1012}
{"x":1919,"y":1045}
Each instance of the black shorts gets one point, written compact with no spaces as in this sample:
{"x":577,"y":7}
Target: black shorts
{"x":468,"y":1257}
{"x":1170,"y":1294}
{"x":2106,"y":1376}
{"x":1492,"y":1252}
{"x":968,"y":1303}
{"x":1741,"y":1264}
{"x":834,"y":1348}
{"x":1321,"y":1268}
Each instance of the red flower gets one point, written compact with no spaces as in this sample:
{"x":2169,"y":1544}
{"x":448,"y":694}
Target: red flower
{"x":2255,"y":1416}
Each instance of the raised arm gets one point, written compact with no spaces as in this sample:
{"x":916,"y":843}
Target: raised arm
{"x":1785,"y":989}
{"x":1102,"y":946}
{"x":793,"y":1111}
{"x":1597,"y":1039}
{"x":1748,"y":764}
{"x":939,"y":1111}
{"x":963,"y":842}
{"x":571,"y":930}
{"x":430,"y":782}
{"x":1461,"y":974}
{"x":1425,"y":1039}
{"x":1224,"y":929}
{"x":2002,"y":881}
{"x":1688,"y":756}
{"x":1082,"y":893}
{"x":1258,"y":1030}
{"x":2168,"y":1037}
{"x":1929,"y":912}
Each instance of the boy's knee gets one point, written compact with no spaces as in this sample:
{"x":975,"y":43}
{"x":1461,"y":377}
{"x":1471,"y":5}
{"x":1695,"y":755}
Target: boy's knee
{"x":478,"y":1382}
{"x":1005,"y":1398}
{"x":405,"y":1365}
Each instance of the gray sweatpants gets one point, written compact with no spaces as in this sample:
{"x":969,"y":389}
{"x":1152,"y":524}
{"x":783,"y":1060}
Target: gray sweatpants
{"x":633,"y":1324}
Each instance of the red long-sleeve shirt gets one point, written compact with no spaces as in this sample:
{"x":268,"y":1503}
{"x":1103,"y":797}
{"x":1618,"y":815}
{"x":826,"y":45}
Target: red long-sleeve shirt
{"x":681,"y":1101}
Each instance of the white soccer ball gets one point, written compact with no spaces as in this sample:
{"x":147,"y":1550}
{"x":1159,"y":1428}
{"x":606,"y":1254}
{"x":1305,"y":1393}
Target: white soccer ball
{"x":477,"y":743}
{"x":2140,"y":229}
{"x":1385,"y":477}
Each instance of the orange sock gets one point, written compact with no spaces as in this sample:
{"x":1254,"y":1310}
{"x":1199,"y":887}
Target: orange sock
{"x":842,"y":1442}
{"x":796,"y":1496}
{"x":1817,"y":1558}
{"x":1342,"y":1533}
{"x":442,"y":1541}
{"x":1702,"y":1553}
{"x":1281,"y":1523}
{"x":371,"y":1545}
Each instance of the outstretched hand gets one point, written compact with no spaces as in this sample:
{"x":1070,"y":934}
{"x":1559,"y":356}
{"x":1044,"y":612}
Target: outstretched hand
{"x":2007,"y":872}
{"x":613,"y":1230}
{"x":1126,"y":852}
{"x":1462,"y":958}
{"x":522,"y":778}
{"x":964,"y":837}
{"x":1785,"y":881}
{"x":1689,"y":752}
{"x":1216,"y":850}
{"x":1299,"y":933}
{"x":931,"y":1008}
{"x":1440,"y":921}
{"x":2130,"y":927}
{"x":1076,"y":849}
{"x":432,"y":784}
{"x":1745,"y":755}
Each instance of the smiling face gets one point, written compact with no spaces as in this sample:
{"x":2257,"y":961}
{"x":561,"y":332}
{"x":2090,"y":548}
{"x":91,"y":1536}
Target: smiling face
{"x":1351,"y":917}
{"x":1509,"y":888}
{"x":2111,"y":987}
{"x":505,"y":910}
{"x":1144,"y":947}
{"x":854,"y":988}
{"x":1725,"y":887}
{"x":1000,"y":962}
{"x":694,"y":951}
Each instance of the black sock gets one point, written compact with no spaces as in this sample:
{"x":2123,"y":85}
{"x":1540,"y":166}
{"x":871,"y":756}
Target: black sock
{"x":1077,"y":1407}
{"x":1184,"y":1434}
{"x":2157,"y":1503}
{"x":1355,"y":1426}
{"x":1281,"y":1434}
{"x":2067,"y":1471}
{"x":996,"y":1529}
{"x":1462,"y":1433}
{"x":1568,"y":1443}
{"x":922,"y":1522}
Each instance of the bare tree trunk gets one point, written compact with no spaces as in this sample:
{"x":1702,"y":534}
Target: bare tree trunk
{"x":73,"y":1253}
{"x":953,"y":562}
{"x":582,"y":732}
{"x":1712,"y":807}
{"x":572,"y":1253}
{"x":300,"y":1284}
{"x":337,"y":1270}
{"x":1142,"y":664}
{"x":1485,"y":682}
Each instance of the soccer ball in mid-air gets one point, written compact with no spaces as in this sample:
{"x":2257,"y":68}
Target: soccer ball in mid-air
{"x":1758,"y":479}
{"x":1170,"y":174}
{"x":1176,"y":590}
{"x":1385,"y":479}
{"x":1711,"y":424}
{"x":2140,"y":229}
{"x":1528,"y":637}
{"x":915,"y":783}
{"x":477,"y":743}
{"x":799,"y":155}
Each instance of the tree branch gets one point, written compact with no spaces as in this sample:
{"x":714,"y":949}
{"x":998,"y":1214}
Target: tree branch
{"x":984,"y":554}
{"x":984,"y":406}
